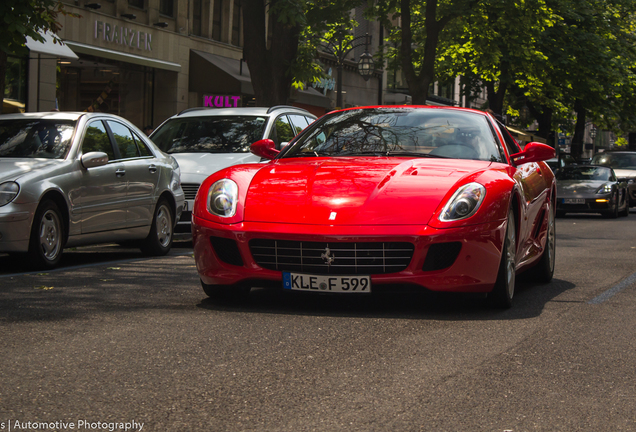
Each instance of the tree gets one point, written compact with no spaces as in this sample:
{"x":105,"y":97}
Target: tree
{"x":416,"y":35}
{"x":24,"y":18}
{"x":281,"y":38}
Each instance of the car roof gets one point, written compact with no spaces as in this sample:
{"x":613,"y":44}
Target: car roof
{"x":249,"y":111}
{"x":57,"y":115}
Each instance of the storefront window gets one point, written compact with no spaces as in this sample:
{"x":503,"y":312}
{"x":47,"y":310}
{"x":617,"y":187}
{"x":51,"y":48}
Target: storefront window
{"x":166,"y":7}
{"x":197,"y":14}
{"x":93,"y":84}
{"x":15,"y":86}
{"x":236,"y":24}
{"x":217,"y":19}
{"x":136,"y":3}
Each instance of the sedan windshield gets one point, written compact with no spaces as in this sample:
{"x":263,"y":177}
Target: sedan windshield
{"x":411,"y":132}
{"x":35,"y":138}
{"x":584,"y":173}
{"x":616,"y":160}
{"x":209,"y":134}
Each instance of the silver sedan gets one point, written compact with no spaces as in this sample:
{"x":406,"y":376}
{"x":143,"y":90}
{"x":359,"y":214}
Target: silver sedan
{"x":71,"y":179}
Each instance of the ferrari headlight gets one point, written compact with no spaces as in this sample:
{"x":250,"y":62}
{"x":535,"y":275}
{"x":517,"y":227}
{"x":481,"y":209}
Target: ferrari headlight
{"x":222,"y":198}
{"x":8,"y":191}
{"x":464,"y":203}
{"x":605,"y":189}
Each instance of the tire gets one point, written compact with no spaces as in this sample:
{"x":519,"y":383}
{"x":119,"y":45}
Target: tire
{"x":625,"y":212}
{"x":544,"y":270}
{"x":613,"y":212}
{"x":237,"y":293}
{"x":159,"y":240}
{"x":47,"y":236}
{"x":504,"y":289}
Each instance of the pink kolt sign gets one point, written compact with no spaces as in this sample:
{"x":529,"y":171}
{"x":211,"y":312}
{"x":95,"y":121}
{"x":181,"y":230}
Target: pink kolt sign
{"x":221,"y":101}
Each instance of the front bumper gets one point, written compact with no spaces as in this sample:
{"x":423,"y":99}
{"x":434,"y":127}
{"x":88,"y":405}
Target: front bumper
{"x":15,"y":227}
{"x":585,"y":205}
{"x":474,"y":269}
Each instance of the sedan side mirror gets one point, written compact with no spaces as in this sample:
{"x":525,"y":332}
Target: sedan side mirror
{"x":533,"y":152}
{"x":94,"y":159}
{"x":265,"y":148}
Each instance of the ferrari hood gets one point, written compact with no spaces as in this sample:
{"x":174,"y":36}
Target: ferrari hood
{"x":195,"y":167}
{"x":353,"y":191}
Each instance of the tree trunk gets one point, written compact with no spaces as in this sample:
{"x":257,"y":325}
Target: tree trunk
{"x":269,"y":65}
{"x":576,"y":149}
{"x":543,"y":116}
{"x":419,"y":83}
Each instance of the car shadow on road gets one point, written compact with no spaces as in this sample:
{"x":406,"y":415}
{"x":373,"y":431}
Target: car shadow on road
{"x":530,"y":300}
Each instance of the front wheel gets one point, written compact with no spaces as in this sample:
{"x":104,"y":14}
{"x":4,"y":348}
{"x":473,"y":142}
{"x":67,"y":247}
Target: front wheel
{"x":504,"y":289}
{"x":159,"y":239}
{"x":47,"y":236}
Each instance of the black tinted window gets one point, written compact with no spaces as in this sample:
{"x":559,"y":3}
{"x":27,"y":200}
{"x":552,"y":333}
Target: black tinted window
{"x":214,"y":134}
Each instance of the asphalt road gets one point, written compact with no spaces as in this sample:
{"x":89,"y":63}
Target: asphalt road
{"x":113,"y":340}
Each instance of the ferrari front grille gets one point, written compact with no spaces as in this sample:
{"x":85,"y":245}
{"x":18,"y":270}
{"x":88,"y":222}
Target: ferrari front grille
{"x":332,"y":258}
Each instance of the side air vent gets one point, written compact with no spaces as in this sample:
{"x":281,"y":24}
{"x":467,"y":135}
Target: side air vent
{"x":227,"y":250}
{"x":441,"y":256}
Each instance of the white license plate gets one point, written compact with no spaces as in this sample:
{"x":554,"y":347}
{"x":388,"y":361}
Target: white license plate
{"x":574,"y":201}
{"x":338,"y":284}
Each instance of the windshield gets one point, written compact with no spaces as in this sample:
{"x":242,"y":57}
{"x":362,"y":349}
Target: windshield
{"x":211,"y":134}
{"x":413,"y":132}
{"x":584,"y":173}
{"x":35,"y":138}
{"x":616,"y":160}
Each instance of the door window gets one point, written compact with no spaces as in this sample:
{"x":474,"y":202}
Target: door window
{"x":124,"y":140}
{"x":96,"y":139}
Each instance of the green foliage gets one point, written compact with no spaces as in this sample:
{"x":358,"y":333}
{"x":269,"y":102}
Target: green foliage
{"x":24,"y":18}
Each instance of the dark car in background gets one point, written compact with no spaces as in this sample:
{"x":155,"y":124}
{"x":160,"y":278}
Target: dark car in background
{"x":591,"y":189}
{"x":624,"y":165}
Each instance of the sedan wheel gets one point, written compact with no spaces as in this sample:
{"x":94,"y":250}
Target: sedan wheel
{"x":47,"y":236}
{"x":159,"y":239}
{"x":504,"y":289}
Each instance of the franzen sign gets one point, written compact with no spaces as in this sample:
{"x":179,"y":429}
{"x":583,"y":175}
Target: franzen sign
{"x":123,"y":36}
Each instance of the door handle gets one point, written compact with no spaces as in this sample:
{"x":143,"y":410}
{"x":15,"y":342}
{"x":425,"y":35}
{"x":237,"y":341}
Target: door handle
{"x":120,"y":172}
{"x":152,"y":168}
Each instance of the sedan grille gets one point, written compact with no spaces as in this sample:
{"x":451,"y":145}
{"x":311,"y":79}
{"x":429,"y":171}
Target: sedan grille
{"x":332,"y":258}
{"x":190,"y":190}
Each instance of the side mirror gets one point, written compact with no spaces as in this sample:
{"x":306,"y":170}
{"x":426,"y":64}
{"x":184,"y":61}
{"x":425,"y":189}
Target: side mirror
{"x":94,"y":159}
{"x":265,"y":148}
{"x":533,"y":152}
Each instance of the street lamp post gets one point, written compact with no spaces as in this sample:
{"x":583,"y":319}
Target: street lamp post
{"x":340,"y":47}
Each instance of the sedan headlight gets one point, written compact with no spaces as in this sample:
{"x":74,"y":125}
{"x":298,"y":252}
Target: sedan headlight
{"x":8,"y":191}
{"x":222,"y":198}
{"x":464,"y":203}
{"x":605,"y":189}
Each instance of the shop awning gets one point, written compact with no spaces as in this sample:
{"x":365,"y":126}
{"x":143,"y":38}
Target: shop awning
{"x":122,"y":56}
{"x":525,"y":136}
{"x":212,"y":73}
{"x":49,"y":47}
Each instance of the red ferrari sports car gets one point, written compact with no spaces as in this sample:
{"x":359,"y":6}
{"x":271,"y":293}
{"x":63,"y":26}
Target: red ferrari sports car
{"x":375,"y":199}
